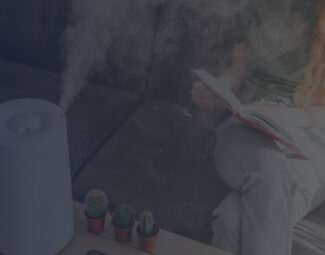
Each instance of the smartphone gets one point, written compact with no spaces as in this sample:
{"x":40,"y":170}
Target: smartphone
{"x":95,"y":252}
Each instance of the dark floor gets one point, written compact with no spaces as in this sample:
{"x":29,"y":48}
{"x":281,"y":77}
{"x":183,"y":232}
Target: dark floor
{"x":146,"y":153}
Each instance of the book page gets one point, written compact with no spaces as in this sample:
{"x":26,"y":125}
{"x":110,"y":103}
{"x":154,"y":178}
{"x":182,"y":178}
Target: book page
{"x":221,"y":86}
{"x":290,"y":117}
{"x":269,"y":124}
{"x":286,"y":136}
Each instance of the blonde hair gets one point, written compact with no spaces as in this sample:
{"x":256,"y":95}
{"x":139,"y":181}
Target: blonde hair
{"x":311,"y":91}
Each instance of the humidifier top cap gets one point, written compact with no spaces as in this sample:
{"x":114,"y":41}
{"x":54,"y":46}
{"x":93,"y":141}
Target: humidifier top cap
{"x":23,"y":119}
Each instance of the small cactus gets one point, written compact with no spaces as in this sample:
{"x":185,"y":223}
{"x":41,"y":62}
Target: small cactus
{"x":96,"y":204}
{"x":146,"y":226}
{"x":124,"y":216}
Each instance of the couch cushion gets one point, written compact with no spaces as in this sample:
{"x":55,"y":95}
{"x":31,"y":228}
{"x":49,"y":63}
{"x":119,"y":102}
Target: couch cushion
{"x":31,"y":30}
{"x":160,"y":160}
{"x":92,"y":118}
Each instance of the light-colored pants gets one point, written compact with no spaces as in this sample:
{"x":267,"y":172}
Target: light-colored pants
{"x":272,"y":191}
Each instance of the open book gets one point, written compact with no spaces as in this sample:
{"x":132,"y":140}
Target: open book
{"x":253,"y":117}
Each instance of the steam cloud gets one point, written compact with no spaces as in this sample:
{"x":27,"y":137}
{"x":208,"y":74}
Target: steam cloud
{"x":89,"y":34}
{"x":87,"y":40}
{"x":94,"y":24}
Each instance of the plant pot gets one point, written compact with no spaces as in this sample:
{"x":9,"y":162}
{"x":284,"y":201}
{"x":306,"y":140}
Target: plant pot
{"x":95,"y":226}
{"x":123,"y":235}
{"x":148,"y":243}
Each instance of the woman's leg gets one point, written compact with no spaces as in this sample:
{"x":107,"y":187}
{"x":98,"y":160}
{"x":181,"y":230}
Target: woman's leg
{"x":251,"y":163}
{"x":226,"y":226}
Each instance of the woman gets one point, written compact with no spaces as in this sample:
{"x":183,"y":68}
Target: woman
{"x":281,"y":53}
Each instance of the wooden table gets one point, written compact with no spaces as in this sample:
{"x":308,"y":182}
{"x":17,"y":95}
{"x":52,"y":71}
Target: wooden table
{"x":168,"y":243}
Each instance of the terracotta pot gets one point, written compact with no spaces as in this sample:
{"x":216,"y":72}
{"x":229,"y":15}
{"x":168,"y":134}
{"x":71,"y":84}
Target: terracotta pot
{"x":96,"y":226}
{"x":123,"y":235}
{"x":148,"y":244}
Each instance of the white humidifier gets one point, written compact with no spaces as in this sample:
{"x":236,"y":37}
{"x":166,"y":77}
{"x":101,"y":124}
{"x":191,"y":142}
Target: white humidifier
{"x":36,"y":213}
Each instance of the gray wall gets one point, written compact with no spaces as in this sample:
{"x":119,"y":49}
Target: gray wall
{"x":30,"y":31}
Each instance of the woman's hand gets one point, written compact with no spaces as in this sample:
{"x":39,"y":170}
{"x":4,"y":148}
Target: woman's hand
{"x":202,"y":97}
{"x":234,"y":76}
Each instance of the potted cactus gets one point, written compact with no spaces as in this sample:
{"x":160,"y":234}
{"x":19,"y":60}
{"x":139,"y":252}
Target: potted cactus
{"x":96,"y":207}
{"x":148,"y":232}
{"x":123,"y":222}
